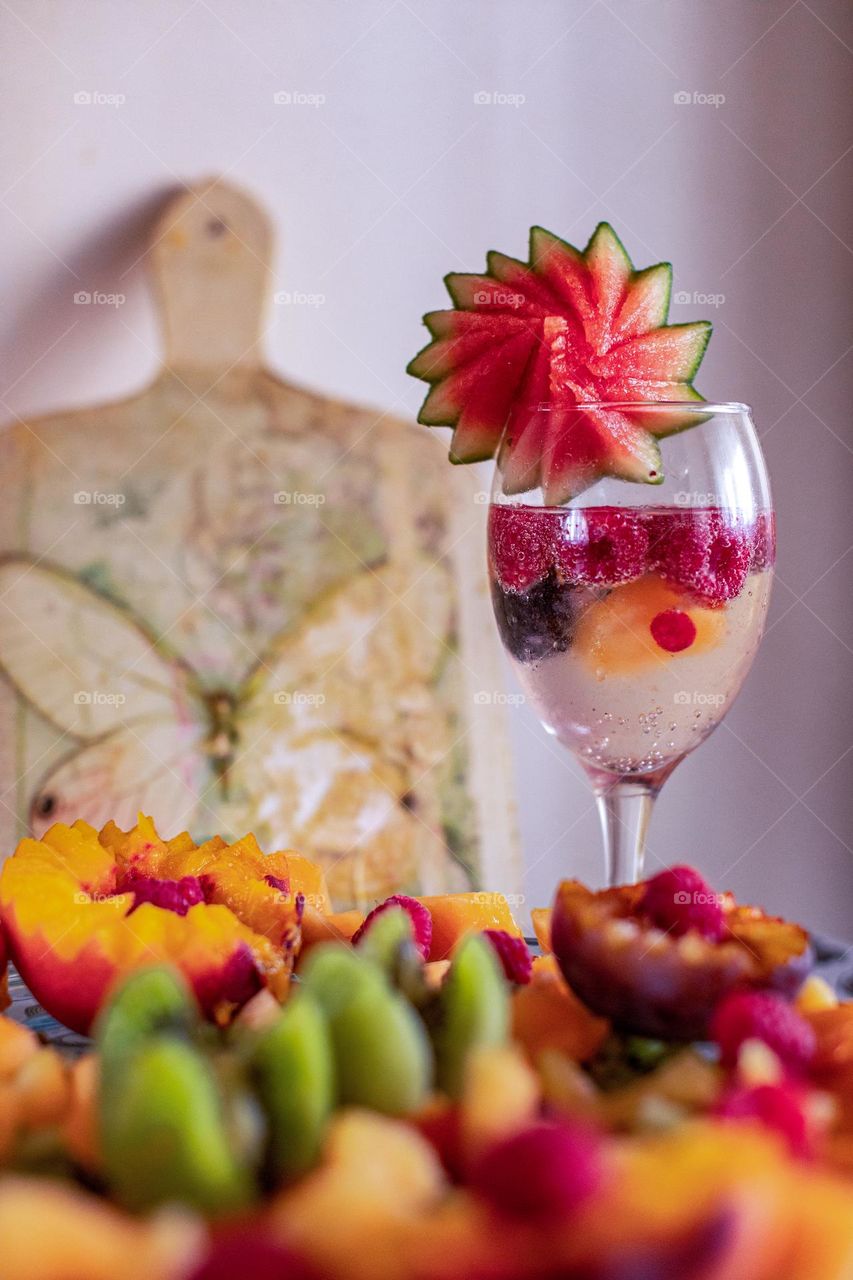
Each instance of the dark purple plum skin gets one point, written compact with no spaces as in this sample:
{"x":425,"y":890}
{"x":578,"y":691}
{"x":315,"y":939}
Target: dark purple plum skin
{"x":655,"y":994}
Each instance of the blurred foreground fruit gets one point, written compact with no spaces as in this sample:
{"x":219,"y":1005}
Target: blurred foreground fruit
{"x":383,"y":1058}
{"x":472,"y":1010}
{"x":546,"y":1014}
{"x":167,"y":1129}
{"x":166,"y":1137}
{"x":356,"y":1215}
{"x":544,"y":1171}
{"x":293,"y":1068}
{"x":763,"y":1016}
{"x":53,"y":1231}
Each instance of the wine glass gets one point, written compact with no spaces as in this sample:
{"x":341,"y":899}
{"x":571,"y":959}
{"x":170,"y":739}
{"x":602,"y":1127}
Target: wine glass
{"x":632,"y":612}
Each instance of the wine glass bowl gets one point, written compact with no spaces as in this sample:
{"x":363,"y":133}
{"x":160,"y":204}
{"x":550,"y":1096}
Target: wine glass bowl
{"x":632,"y":612}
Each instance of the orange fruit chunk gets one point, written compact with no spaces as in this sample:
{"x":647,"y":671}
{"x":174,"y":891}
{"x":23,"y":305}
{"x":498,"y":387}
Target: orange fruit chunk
{"x":614,"y":637}
{"x":455,"y":914}
{"x":546,"y":1014}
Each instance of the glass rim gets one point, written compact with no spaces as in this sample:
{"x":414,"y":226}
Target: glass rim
{"x":689,"y":406}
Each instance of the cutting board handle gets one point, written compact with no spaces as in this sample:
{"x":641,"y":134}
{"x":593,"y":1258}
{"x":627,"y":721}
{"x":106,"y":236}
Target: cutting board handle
{"x":210,"y":253}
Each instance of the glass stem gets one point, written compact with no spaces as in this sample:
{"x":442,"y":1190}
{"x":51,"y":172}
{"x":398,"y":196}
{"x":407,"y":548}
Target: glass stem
{"x":625,"y":807}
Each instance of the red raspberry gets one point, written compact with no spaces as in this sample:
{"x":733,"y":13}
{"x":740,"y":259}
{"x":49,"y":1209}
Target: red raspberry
{"x":780,"y":1107}
{"x":420,"y":916}
{"x":762,"y":1015}
{"x":700,"y":552}
{"x":545,"y":1171}
{"x":513,"y":954}
{"x":602,"y":546}
{"x":679,"y":899}
{"x":171,"y":895}
{"x":673,"y":630}
{"x":764,"y":541}
{"x":521,"y":540}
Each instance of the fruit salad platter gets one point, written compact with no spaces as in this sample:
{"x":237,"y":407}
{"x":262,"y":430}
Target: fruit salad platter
{"x":659,"y":1088}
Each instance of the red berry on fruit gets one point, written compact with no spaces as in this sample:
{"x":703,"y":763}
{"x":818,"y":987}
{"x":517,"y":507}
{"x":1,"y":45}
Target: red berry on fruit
{"x":420,"y":916}
{"x":171,"y":895}
{"x":761,"y":1015}
{"x":602,"y":546}
{"x":673,"y":630}
{"x":780,"y":1107}
{"x":522,"y":545}
{"x":545,"y":1171}
{"x":513,"y":954}
{"x":680,"y":899}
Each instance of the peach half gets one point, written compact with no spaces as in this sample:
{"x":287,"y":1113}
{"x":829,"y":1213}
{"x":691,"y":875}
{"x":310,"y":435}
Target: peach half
{"x":82,"y":908}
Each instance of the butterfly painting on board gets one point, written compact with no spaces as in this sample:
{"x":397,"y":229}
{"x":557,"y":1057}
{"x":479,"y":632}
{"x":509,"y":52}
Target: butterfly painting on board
{"x":238,"y":605}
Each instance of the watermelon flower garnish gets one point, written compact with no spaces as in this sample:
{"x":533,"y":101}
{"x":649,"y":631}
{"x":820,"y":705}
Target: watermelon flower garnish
{"x":568,"y":331}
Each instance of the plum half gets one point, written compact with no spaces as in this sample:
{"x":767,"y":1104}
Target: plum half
{"x":655,"y":983}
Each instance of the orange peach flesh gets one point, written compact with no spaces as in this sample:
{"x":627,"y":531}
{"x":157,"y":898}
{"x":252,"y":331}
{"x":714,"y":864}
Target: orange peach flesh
{"x":455,"y":914}
{"x":71,"y":936}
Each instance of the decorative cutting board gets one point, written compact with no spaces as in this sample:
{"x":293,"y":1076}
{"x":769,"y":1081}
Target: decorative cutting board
{"x":238,"y":605}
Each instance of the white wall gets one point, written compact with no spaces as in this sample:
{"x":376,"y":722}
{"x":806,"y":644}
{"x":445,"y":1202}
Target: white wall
{"x":399,"y":176}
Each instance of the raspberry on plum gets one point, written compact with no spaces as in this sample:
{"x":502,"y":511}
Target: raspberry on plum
{"x":680,"y":899}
